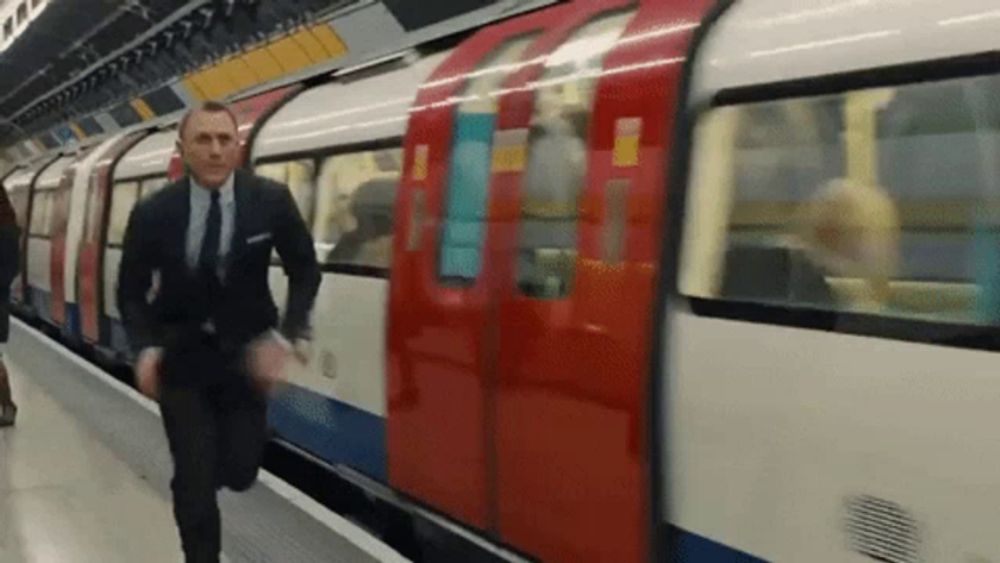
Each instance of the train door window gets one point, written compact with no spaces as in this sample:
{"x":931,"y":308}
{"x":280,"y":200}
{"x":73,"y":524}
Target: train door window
{"x":557,"y":158}
{"x":152,"y":185}
{"x":22,"y":13}
{"x":36,"y":3}
{"x":8,"y":28}
{"x":882,"y":201}
{"x":41,"y":216}
{"x":355,"y":201}
{"x":123,"y":199}
{"x":463,"y":228}
{"x":299,"y":176}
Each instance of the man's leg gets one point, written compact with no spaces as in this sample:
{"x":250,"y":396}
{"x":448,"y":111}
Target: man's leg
{"x":8,"y":411}
{"x":192,"y":431}
{"x":242,"y":435}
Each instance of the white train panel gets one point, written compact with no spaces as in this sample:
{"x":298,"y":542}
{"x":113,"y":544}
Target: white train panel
{"x":338,"y":114}
{"x":774,"y":430}
{"x":112,"y":259}
{"x":767,"y":41}
{"x":52,"y":175}
{"x":347,"y":355}
{"x":148,"y":158}
{"x":40,"y":265}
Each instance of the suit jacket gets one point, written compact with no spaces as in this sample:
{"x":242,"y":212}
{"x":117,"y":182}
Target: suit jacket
{"x":266,"y":218}
{"x":10,"y":266}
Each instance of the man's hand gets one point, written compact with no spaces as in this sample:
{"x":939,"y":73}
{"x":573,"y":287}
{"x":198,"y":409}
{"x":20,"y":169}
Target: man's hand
{"x":147,"y":372}
{"x":268,"y":361}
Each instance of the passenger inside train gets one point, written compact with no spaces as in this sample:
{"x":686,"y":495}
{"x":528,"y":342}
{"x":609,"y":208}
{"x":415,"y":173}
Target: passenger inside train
{"x":840,"y":194}
{"x":355,"y":207}
{"x":370,"y":240}
{"x":845,"y":230}
{"x":557,"y":157}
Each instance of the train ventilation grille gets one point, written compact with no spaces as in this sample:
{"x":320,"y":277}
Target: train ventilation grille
{"x":882,"y":530}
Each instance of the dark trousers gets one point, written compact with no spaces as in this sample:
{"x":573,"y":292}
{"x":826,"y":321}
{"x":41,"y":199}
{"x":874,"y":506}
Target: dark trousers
{"x":217,"y":433}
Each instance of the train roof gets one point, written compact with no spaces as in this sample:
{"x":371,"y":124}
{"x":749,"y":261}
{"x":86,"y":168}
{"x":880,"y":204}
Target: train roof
{"x":150,"y":157}
{"x":53,"y":174}
{"x":343,"y":113}
{"x":764,"y":42}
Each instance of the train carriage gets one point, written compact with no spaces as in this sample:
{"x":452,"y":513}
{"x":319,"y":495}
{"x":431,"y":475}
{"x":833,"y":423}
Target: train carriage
{"x":829,"y":331}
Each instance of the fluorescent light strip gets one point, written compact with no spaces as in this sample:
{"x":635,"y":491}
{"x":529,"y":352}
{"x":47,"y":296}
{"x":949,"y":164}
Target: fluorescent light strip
{"x":827,"y":43}
{"x":974,"y":18}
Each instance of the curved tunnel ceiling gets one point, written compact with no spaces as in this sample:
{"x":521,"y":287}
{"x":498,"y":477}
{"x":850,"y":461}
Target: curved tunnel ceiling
{"x":80,"y":57}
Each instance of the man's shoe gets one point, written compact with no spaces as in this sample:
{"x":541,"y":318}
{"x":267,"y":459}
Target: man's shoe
{"x":8,"y":413}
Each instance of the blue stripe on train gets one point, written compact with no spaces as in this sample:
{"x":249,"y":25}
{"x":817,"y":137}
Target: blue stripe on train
{"x":687,"y":546}
{"x":73,"y":328}
{"x":119,"y":338}
{"x":41,"y":304}
{"x":334,"y":431}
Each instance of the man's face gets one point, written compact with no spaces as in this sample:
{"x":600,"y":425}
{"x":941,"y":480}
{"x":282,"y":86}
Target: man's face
{"x":210,"y":147}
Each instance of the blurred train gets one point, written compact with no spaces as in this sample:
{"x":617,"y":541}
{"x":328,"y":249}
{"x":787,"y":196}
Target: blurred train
{"x":629,"y":280}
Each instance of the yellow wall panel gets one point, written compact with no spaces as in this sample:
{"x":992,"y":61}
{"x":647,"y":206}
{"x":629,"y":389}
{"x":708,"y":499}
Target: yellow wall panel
{"x":334,"y":45}
{"x":143,"y":109}
{"x":192,"y":86}
{"x":204,"y":86}
{"x":312,"y":47}
{"x":263,"y":64}
{"x":289,"y":55}
{"x":216,"y":83}
{"x":241,"y":75}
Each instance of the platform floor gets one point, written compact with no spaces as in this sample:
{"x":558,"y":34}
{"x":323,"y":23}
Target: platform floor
{"x":84,"y":478}
{"x":64,"y":496}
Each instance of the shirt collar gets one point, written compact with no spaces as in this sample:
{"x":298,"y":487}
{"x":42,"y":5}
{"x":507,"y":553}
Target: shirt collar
{"x":226,"y":192}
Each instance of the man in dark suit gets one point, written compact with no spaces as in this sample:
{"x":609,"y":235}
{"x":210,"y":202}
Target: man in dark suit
{"x":206,"y":341}
{"x":10,"y":266}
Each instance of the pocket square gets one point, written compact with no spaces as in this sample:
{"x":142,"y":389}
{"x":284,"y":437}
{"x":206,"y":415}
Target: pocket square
{"x":259,"y":238}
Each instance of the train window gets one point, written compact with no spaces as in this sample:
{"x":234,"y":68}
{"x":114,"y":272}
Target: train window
{"x":152,"y":185}
{"x":298,"y":176}
{"x":883,"y":201}
{"x":355,"y":200}
{"x":463,"y":229}
{"x":123,"y":199}
{"x":36,"y":3}
{"x":22,"y":13}
{"x":41,"y":214}
{"x":8,"y":28}
{"x":557,"y":158}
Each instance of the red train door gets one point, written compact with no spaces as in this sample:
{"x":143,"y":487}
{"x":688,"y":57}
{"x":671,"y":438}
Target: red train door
{"x":60,"y":224}
{"x":439,"y":419}
{"x":578,"y":224}
{"x":90,"y":271}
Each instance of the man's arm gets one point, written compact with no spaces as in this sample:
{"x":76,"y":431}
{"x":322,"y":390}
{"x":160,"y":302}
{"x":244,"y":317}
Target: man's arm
{"x":298,"y":257}
{"x":135,"y":277}
{"x":10,"y":254}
